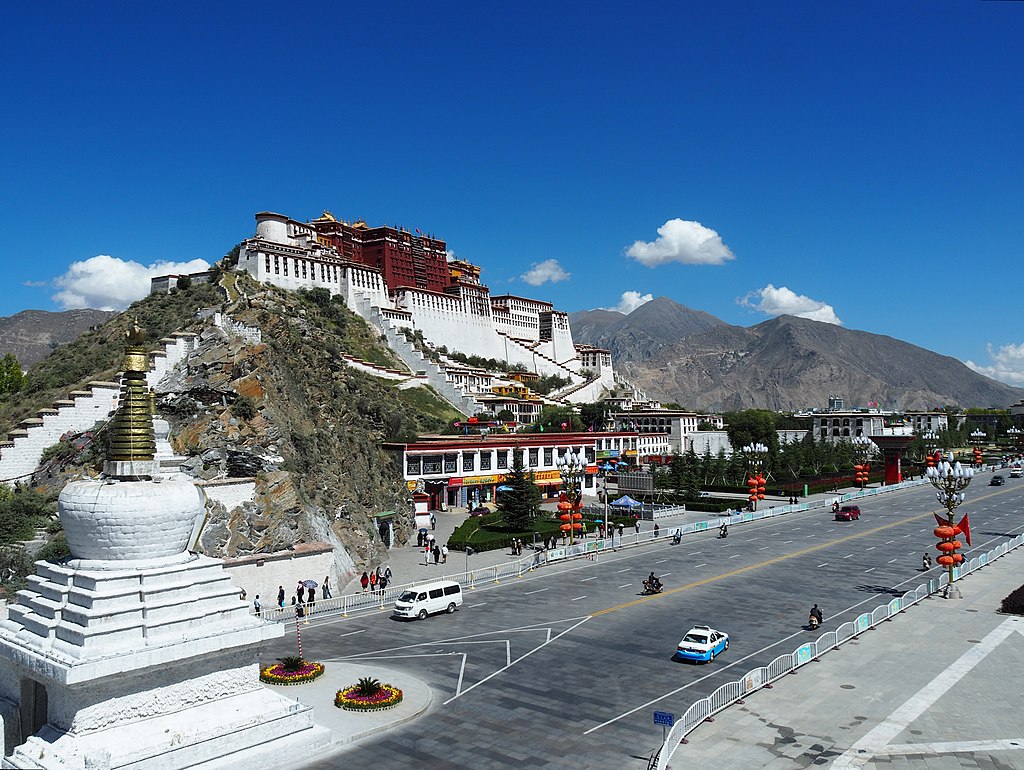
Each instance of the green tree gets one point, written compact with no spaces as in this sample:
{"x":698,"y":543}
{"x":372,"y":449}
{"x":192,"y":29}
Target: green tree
{"x":520,"y":505}
{"x":592,"y":415}
{"x":752,"y":426}
{"x":11,"y":378}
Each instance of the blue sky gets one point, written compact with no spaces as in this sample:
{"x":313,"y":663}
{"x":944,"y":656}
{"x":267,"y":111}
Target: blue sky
{"x":858,"y":163}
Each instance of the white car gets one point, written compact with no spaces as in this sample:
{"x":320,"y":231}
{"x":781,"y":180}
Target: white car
{"x":1016,"y":473}
{"x":702,"y":643}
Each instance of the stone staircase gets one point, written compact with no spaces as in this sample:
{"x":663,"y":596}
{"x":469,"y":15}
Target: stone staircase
{"x":21,"y":452}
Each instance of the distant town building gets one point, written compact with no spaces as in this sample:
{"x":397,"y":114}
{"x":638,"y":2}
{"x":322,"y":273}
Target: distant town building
{"x":165,"y":284}
{"x":923,"y":422}
{"x":466,"y":470}
{"x":676,"y":424}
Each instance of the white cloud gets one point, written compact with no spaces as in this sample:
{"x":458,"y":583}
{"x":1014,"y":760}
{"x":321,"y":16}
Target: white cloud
{"x":109,"y":283}
{"x":1008,"y":364}
{"x":783,"y":301}
{"x":681,"y":240}
{"x":630,"y":301}
{"x":542,"y":272}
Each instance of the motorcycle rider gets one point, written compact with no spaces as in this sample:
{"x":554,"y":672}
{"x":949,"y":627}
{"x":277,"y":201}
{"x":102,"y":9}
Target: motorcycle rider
{"x":926,"y":562}
{"x":723,"y":531}
{"x":652,"y":583}
{"x":815,"y":617}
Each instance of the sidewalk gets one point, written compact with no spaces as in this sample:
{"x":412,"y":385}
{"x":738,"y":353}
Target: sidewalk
{"x":937,"y":687}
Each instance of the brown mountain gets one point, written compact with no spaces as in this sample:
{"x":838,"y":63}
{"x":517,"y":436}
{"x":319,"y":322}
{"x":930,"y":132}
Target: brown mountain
{"x":789,"y":363}
{"x":31,"y":334}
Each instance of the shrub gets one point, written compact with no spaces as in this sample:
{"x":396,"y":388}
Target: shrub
{"x":1014,"y":603}
{"x":56,"y":550}
{"x":244,"y":408}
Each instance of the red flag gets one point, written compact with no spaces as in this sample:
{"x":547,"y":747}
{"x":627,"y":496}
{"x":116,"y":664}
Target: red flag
{"x":965,"y":527}
{"x":942,"y":522}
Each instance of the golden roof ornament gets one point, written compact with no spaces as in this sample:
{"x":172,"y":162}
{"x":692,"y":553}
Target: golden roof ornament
{"x":131,"y":430}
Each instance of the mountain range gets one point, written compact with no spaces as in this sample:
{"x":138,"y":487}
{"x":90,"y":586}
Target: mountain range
{"x":677,"y":354}
{"x":32,"y":334}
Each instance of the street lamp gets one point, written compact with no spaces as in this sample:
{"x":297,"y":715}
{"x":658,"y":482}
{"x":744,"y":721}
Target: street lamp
{"x":949,"y":478}
{"x":861,"y":452}
{"x":978,"y":436}
{"x":755,"y":454}
{"x":571,"y":468}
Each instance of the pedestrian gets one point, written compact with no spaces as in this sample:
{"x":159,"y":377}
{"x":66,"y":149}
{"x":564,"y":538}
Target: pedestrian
{"x":433,"y":521}
{"x":437,"y":554}
{"x":444,"y":553}
{"x":373,"y":582}
{"x":300,"y":591}
{"x":621,"y":529}
{"x":256,"y":604}
{"x":326,"y":587}
{"x":379,"y":574}
{"x":364,"y":580}
{"x":426,"y":555}
{"x":311,"y":597}
{"x":656,"y":531}
{"x":387,"y":573}
{"x":280,"y":596}
{"x":636,"y":524}
{"x":383,"y":584}
{"x":430,"y":540}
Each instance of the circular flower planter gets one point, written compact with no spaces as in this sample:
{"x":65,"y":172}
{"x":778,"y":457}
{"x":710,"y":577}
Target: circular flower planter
{"x":277,"y":675}
{"x":385,"y":698}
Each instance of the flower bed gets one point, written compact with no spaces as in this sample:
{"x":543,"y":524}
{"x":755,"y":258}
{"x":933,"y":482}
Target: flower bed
{"x":277,"y":674}
{"x":350,"y":698}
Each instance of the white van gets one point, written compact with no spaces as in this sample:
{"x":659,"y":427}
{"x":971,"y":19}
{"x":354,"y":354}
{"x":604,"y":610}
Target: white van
{"x":423,"y":600}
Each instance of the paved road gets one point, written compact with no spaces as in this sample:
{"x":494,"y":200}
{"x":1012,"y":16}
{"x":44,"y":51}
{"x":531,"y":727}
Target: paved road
{"x":563,"y":667}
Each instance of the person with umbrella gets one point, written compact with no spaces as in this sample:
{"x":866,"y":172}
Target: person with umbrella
{"x":311,"y":586}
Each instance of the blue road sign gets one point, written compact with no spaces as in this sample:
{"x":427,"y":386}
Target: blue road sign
{"x":666,"y":718}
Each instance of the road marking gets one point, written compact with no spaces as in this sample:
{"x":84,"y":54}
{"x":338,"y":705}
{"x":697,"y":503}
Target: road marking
{"x":736,"y":556}
{"x":626,"y":586}
{"x":763,"y":549}
{"x":693,"y":554}
{"x":862,"y":752}
{"x":623,"y":570}
{"x":869,"y":570}
{"x":361,"y":630}
{"x":891,"y":561}
{"x":887,"y":542}
{"x":699,"y":565}
{"x":666,"y":574}
{"x":578,"y":598}
{"x":584,"y":580}
{"x":481,"y":604}
{"x":786,"y":542}
{"x":537,"y":591}
{"x":871,"y":548}
{"x":810,"y":535}
{"x":951,"y":747}
{"x":661,"y":561}
{"x":823,"y":564}
{"x":767,"y":562}
{"x":849,"y":556}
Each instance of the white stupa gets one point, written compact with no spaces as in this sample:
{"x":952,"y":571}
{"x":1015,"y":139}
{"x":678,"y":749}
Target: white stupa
{"x":137,"y":653}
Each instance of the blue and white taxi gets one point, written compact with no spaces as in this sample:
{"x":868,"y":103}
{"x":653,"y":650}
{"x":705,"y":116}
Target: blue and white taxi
{"x":702,"y":643}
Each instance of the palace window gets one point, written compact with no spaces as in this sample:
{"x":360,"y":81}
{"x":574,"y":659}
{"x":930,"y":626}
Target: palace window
{"x":485,"y":461}
{"x":468,"y":461}
{"x":548,"y":457}
{"x":431,"y":464}
{"x":502,"y":459}
{"x":533,"y":458}
{"x":451,"y":463}
{"x":413,"y":466}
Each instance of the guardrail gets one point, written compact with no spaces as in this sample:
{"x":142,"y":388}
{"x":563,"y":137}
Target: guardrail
{"x":589,"y":548}
{"x":732,"y":692}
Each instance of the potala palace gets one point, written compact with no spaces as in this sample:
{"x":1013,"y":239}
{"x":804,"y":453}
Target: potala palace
{"x":402,"y":282}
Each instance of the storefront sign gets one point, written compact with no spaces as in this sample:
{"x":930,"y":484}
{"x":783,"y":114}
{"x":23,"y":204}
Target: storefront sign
{"x":472,"y":481}
{"x":547,"y":476}
{"x":456,"y":482}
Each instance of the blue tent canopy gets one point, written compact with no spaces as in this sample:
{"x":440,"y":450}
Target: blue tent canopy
{"x":626,"y":502}
{"x":503,"y":488}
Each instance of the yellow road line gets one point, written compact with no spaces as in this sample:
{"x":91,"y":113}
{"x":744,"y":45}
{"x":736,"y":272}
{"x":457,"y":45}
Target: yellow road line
{"x":771,"y":561}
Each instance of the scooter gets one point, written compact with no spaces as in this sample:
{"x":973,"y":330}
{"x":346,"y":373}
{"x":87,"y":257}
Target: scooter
{"x":650,"y":588}
{"x":813,"y":622}
{"x":723,"y":533}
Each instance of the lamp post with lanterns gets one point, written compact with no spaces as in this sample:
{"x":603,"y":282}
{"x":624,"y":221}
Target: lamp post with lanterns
{"x":571,"y":469}
{"x":755,"y":455}
{"x":949,"y":478}
{"x":978,"y":438}
{"x":861,"y":452}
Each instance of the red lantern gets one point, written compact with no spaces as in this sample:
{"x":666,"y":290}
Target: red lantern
{"x":760,"y":496}
{"x":958,"y":558}
{"x":751,"y":498}
{"x":577,"y":526}
{"x":751,"y":482}
{"x":577,"y":516}
{"x":564,"y":505}
{"x":564,"y":527}
{"x":944,"y":533}
{"x":946,"y":561}
{"x":945,"y":546}
{"x":565,"y":517}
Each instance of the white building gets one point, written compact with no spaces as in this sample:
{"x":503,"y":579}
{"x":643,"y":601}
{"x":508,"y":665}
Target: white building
{"x":675,"y":423}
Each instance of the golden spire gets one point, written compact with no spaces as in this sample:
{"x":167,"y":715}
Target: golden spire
{"x":131,"y":430}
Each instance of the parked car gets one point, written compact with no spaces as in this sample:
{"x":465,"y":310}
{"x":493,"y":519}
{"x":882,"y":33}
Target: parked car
{"x":480,"y":510}
{"x":997,"y":481}
{"x":702,"y":643}
{"x":1017,"y":473}
{"x":848,"y":513}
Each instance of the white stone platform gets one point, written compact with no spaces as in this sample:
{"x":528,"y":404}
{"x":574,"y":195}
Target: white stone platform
{"x":142,"y":668}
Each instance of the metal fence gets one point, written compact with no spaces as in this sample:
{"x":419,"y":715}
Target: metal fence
{"x":730,"y":693}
